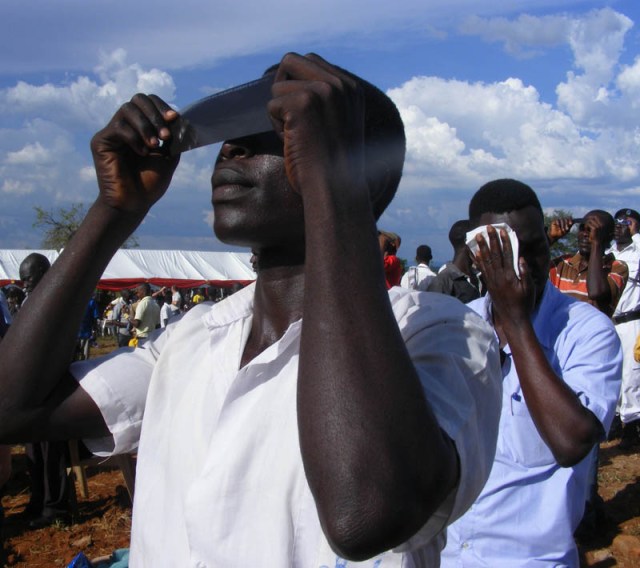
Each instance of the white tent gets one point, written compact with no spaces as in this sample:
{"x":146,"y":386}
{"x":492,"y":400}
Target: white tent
{"x":129,"y":267}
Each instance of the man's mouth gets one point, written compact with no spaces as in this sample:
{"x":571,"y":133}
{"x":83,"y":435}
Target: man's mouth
{"x":228,"y":184}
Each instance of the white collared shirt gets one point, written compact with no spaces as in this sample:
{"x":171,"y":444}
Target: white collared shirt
{"x":630,"y":298}
{"x":220,"y":480}
{"x":417,"y":277}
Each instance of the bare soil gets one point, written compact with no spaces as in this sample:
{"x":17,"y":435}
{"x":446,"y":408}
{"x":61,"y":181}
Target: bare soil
{"x":103,"y":520}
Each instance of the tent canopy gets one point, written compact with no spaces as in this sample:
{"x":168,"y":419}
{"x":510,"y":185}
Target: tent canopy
{"x":129,"y":267}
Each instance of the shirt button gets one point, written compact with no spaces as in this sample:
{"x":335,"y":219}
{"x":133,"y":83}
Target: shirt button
{"x":465,"y":545}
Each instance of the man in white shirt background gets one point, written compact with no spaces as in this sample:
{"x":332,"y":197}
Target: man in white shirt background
{"x":626,"y":317}
{"x":419,"y":276}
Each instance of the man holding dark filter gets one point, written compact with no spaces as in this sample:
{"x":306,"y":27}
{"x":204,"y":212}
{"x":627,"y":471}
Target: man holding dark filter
{"x":590,"y":275}
{"x":561,"y":369}
{"x":273,"y":430}
{"x":626,"y":248}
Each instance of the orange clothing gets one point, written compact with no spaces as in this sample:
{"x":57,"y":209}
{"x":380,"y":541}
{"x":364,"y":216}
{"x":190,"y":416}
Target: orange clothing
{"x":565,"y":274}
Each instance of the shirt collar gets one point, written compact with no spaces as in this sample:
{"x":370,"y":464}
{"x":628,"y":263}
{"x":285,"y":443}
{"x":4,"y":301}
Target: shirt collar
{"x":540,"y":318}
{"x":575,"y":261}
{"x":226,"y":312}
{"x":544,"y":314}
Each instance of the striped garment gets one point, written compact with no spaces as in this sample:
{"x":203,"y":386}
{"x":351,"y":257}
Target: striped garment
{"x":566,"y":275}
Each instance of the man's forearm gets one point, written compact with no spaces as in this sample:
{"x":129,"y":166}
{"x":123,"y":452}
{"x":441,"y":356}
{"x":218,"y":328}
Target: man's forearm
{"x":568,"y":428}
{"x":37,"y":351}
{"x":597,"y":281}
{"x":372,"y":448}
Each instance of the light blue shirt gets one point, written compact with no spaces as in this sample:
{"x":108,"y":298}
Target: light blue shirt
{"x":530,"y":507}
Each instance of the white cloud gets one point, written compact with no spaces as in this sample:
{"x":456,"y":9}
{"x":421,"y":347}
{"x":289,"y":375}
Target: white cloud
{"x":521,"y":37}
{"x":85,"y":102}
{"x":507,"y":131}
{"x":158,"y":33}
{"x":17,"y":187}
{"x":29,"y":155}
{"x":590,"y":95}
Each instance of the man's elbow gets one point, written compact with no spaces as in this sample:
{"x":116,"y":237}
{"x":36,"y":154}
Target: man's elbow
{"x":382,"y":522}
{"x":360,"y":537}
{"x":575,"y":450}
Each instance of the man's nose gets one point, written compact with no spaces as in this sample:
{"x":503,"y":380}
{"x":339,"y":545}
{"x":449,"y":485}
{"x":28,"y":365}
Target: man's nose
{"x":235,"y":149}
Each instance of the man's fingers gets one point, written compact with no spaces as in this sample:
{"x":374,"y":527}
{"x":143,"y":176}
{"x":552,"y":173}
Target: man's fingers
{"x":311,"y":67}
{"x":144,"y":117}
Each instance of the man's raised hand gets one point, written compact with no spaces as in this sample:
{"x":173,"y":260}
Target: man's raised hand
{"x":133,"y":169}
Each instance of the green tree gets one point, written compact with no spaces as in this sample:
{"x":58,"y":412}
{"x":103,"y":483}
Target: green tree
{"x":567,"y":244}
{"x":59,"y":225}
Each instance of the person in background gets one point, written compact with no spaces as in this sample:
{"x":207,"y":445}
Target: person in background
{"x":626,"y":318}
{"x":53,"y":494}
{"x":392,"y":265}
{"x":589,"y":275}
{"x":561,"y":378}
{"x":5,"y":313}
{"x":5,"y":450}
{"x":458,"y":278}
{"x":147,"y":313}
{"x":15,"y":298}
{"x":87,"y":331}
{"x":198,"y":297}
{"x":176,"y":298}
{"x":120,"y":316}
{"x":419,"y":276}
{"x":167,"y":310}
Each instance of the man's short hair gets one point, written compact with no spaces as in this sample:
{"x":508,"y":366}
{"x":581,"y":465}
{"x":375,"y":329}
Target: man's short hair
{"x":423,"y":252}
{"x":627,"y":213}
{"x":458,"y":234}
{"x":385,"y":143}
{"x":502,"y":196}
{"x":36,"y":261}
{"x":146,"y":286}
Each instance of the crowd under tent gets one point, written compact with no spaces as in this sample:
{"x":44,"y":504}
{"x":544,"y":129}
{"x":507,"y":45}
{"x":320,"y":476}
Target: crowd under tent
{"x":130,"y":267}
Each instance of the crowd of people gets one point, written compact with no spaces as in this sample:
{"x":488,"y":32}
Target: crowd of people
{"x":332,"y":413}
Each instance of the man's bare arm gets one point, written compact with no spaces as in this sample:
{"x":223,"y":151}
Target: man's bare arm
{"x":374,"y":455}
{"x":598,"y":287}
{"x":38,"y":398}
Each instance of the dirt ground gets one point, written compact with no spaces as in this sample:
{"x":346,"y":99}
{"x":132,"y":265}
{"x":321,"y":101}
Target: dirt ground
{"x":103,"y":520}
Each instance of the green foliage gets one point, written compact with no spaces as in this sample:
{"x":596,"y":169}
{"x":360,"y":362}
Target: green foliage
{"x":567,"y":244}
{"x":59,"y":225}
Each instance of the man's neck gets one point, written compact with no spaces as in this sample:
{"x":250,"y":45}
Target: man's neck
{"x":621,"y":245}
{"x":462,"y":261}
{"x":278,"y":302}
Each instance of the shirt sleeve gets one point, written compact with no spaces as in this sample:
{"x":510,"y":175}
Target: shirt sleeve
{"x":456,"y":356}
{"x":589,"y":358}
{"x":617,"y":281}
{"x":118,"y":384}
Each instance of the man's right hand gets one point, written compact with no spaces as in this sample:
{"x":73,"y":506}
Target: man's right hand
{"x":513,"y":298}
{"x":559,"y":228}
{"x":132,"y":168}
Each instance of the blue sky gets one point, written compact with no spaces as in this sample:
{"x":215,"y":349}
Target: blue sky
{"x":544,"y":91}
